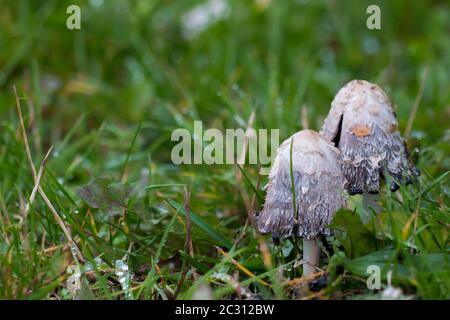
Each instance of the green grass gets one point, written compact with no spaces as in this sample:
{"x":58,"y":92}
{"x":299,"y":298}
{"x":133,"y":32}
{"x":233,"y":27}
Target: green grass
{"x":107,"y":98}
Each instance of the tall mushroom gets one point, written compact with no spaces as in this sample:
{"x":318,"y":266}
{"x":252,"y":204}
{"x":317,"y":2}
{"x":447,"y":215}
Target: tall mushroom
{"x":362,"y":124}
{"x":304,"y":192}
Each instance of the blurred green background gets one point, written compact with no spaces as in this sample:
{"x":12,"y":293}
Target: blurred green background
{"x":140,"y":60}
{"x":108,"y":96}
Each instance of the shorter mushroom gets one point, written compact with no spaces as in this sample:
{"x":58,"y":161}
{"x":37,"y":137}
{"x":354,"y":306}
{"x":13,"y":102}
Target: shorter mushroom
{"x":304,"y":192}
{"x":362,"y":124}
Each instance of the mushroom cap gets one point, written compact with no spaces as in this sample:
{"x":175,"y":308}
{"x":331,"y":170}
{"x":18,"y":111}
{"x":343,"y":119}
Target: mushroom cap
{"x":362,"y":124}
{"x":318,"y":184}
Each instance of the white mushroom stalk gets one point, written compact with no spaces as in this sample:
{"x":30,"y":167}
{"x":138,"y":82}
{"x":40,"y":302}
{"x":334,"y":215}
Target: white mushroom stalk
{"x":318,"y":189}
{"x":362,"y":124}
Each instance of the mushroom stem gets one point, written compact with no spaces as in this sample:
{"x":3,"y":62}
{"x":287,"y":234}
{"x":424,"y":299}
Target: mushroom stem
{"x":310,"y":256}
{"x":370,"y":204}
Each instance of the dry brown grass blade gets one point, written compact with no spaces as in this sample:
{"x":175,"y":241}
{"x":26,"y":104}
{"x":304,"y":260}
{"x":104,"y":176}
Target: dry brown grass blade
{"x":304,"y":112}
{"x":35,"y":188}
{"x":303,"y":280}
{"x":240,"y":266}
{"x":40,"y":190}
{"x":244,"y":150}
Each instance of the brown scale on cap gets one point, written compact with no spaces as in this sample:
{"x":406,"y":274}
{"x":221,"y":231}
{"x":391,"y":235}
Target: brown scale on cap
{"x":318,"y":184}
{"x":360,"y":131}
{"x":362,"y":124}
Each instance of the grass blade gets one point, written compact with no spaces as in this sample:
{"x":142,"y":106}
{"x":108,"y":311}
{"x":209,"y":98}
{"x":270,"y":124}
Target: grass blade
{"x":202,"y":224}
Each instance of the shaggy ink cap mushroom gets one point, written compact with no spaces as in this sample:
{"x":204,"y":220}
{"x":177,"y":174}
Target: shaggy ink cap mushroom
{"x":318,"y":182}
{"x":362,"y":124}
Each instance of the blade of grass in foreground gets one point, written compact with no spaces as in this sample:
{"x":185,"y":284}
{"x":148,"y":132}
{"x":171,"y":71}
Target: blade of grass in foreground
{"x":133,"y":142}
{"x":157,"y":186}
{"x":203,"y":225}
{"x":197,"y":265}
{"x":149,"y":279}
{"x":44,"y":291}
{"x":247,"y":179}
{"x":188,"y":293}
{"x":240,"y":266}
{"x":432,"y":184}
{"x":219,"y":293}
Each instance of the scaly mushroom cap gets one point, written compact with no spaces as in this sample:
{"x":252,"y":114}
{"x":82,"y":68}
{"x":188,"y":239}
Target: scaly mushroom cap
{"x":318,"y":184}
{"x":362,"y":124}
